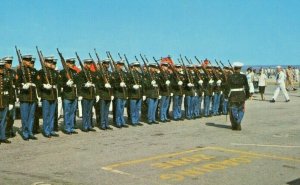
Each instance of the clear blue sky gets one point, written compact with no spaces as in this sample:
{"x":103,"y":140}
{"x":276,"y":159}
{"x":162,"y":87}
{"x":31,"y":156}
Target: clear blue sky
{"x":251,"y":31}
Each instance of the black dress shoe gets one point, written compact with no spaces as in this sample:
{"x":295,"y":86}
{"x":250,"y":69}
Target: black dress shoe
{"x":25,"y":138}
{"x":68,"y":133}
{"x":5,"y":141}
{"x":32,"y":137}
{"x":272,"y":101}
{"x":149,"y":122}
{"x":118,"y":126}
{"x":84,"y":130}
{"x":54,"y":134}
{"x":168,"y":120}
{"x":140,"y":124}
{"x":155,"y":122}
{"x":109,"y":128}
{"x":126,"y":126}
{"x":182,"y":119}
{"x":74,"y":132}
{"x":91,"y":129}
{"x":287,"y":100}
{"x":101,"y":128}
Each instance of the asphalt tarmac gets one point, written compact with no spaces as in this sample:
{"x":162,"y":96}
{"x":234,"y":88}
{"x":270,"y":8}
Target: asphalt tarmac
{"x":203,"y":151}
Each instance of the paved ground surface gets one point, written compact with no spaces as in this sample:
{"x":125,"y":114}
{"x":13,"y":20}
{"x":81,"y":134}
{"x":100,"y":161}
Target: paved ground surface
{"x":203,"y":151}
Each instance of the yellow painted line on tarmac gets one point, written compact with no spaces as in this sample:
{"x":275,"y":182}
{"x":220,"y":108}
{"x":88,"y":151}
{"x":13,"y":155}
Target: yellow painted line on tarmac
{"x":278,"y":146}
{"x":113,"y":167}
{"x":121,"y":164}
{"x":256,"y":154}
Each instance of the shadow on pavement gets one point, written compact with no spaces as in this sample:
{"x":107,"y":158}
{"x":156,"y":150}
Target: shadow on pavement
{"x":218,"y":125}
{"x":294,"y":182}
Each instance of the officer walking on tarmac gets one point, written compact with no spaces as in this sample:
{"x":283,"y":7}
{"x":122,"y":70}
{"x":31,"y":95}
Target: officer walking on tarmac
{"x":237,"y":92}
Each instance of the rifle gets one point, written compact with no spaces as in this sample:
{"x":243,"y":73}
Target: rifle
{"x":63,"y":62}
{"x":112,"y":63}
{"x":142,"y":71}
{"x":147,"y":67}
{"x":222,"y":71}
{"x":126,"y":68}
{"x":230,"y":64}
{"x":160,"y":69}
{"x":42,"y":61}
{"x":195,"y":69}
{"x":21,"y":64}
{"x":97,"y":69}
{"x":101,"y":67}
{"x":206,"y":72}
{"x":82,"y":67}
{"x":131,"y":72}
{"x":185,"y":69}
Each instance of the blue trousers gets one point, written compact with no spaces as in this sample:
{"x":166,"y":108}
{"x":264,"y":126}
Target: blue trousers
{"x":87,"y":107}
{"x":152,"y":106}
{"x":3,"y":112}
{"x":104,"y":111}
{"x":48,"y":108}
{"x":188,"y":106}
{"x":69,"y":107}
{"x":207,"y":100}
{"x":135,"y":108}
{"x":27,"y":110}
{"x":164,"y":104}
{"x":119,"y":106}
{"x":216,"y":103}
{"x":237,"y":113}
{"x":177,"y":102}
{"x":225,"y":106}
{"x":197,"y":106}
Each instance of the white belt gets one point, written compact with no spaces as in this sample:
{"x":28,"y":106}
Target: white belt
{"x":239,"y":89}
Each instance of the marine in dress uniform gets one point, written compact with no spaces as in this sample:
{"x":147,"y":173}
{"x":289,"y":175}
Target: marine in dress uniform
{"x":208,"y":91}
{"x":49,"y":89}
{"x":135,"y":93}
{"x":69,"y":95}
{"x":199,"y":92}
{"x":6,"y":100}
{"x":27,"y":82}
{"x":11,"y":114}
{"x":237,"y":91}
{"x":151,"y":92}
{"x":164,"y":91}
{"x":189,"y":91}
{"x":120,"y":94}
{"x":87,"y":94}
{"x":177,"y":79}
{"x":217,"y":89}
{"x":106,"y":93}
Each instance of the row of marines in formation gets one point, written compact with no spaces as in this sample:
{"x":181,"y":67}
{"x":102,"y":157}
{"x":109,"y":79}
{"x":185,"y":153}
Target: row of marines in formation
{"x":146,"y":89}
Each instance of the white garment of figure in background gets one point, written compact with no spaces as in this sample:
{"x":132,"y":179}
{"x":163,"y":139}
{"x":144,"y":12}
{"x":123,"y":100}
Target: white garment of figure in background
{"x":280,"y":82}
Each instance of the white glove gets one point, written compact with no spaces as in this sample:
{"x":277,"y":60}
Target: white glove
{"x":17,"y":100}
{"x":171,"y":94}
{"x":144,"y":98}
{"x":39,"y":99}
{"x":200,"y":82}
{"x":211,"y":81}
{"x":154,"y":85}
{"x":153,"y":82}
{"x":107,"y":85}
{"x":203,"y":94}
{"x":97,"y":98}
{"x":70,"y":83}
{"x":26,"y":86}
{"x":10,"y":107}
{"x":136,"y":87}
{"x":219,"y":82}
{"x":190,"y":85}
{"x":140,"y":86}
{"x":221,"y":92}
{"x":32,"y":84}
{"x":88,"y":84}
{"x":122,"y":84}
{"x":112,"y":98}
{"x":196,"y":94}
{"x":213,"y":93}
{"x":159,"y":97}
{"x":59,"y":99}
{"x":180,"y":83}
{"x":168,"y":82}
{"x":47,"y":86}
{"x":79,"y":98}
